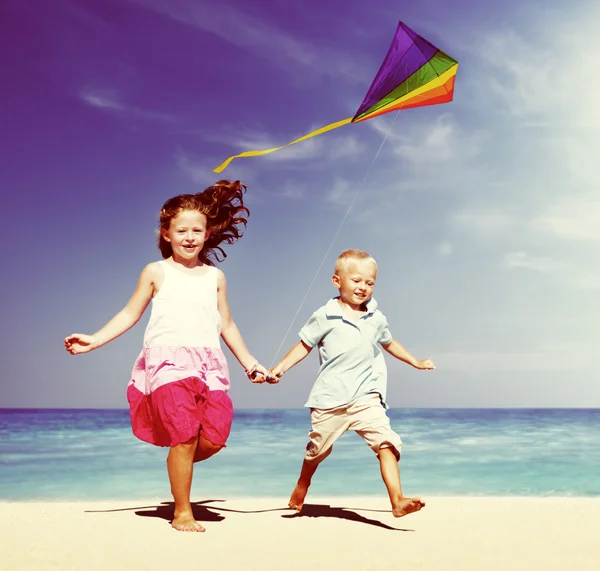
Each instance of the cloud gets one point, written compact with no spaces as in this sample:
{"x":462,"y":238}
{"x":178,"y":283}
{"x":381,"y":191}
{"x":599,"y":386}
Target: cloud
{"x":545,"y":75}
{"x":521,"y":75}
{"x":537,"y":264}
{"x":537,"y":93}
{"x":437,"y":140}
{"x":573,"y":217}
{"x":100,"y":100}
{"x":109,"y":101}
{"x":544,"y":208}
{"x":292,"y":191}
{"x":309,"y":149}
{"x":440,"y":141}
{"x":433,"y":154}
{"x":348,"y":146}
{"x":198,"y":172}
{"x":577,"y":276}
{"x":266,"y":39}
{"x":342,"y":192}
{"x":586,"y":280}
{"x":576,"y":222}
{"x":315,"y":149}
{"x":484,"y":221}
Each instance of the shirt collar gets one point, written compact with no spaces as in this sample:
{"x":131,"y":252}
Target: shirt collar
{"x":334,"y":309}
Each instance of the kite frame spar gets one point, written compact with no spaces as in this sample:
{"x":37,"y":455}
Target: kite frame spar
{"x":414,"y":73}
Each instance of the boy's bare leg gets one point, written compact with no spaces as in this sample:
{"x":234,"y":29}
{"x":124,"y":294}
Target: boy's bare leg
{"x":390,"y":472}
{"x":180,"y":465}
{"x":297,"y":498}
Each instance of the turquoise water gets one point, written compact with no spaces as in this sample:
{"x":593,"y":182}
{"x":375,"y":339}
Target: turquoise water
{"x":92,"y":454}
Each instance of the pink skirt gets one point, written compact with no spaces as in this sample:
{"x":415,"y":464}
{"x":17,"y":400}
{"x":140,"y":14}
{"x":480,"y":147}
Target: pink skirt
{"x":177,"y":393}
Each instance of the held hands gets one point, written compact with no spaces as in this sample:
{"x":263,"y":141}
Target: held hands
{"x":77,"y":343}
{"x":258,"y":374}
{"x":275,"y":373}
{"x":425,"y":364}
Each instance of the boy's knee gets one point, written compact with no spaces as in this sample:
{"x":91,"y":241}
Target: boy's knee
{"x":395,"y":449}
{"x":385,"y":440}
{"x":314,"y":454}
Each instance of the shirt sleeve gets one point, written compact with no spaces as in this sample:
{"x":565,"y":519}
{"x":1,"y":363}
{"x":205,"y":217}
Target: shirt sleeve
{"x":385,"y":335}
{"x":312,"y":332}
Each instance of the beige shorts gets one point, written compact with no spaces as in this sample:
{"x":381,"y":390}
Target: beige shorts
{"x":366,"y":416}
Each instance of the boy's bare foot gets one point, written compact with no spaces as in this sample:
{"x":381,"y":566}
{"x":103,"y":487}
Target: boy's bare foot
{"x":297,"y":498}
{"x":404,"y":506}
{"x":186,"y":522}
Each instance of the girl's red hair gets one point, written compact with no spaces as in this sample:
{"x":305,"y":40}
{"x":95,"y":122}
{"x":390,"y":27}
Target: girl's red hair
{"x":223,"y":205}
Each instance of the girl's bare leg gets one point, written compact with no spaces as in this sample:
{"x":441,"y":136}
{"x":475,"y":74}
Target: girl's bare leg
{"x":180,"y":465}
{"x":390,"y":472}
{"x":205,"y":449}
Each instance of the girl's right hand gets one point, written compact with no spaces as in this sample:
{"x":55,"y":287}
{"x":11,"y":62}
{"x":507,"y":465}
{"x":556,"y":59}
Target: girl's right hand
{"x":77,"y":343}
{"x":260,"y":374}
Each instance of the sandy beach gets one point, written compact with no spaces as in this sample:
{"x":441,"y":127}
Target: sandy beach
{"x":332,"y":533}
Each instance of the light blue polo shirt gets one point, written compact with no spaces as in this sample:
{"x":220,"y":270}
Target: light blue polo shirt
{"x":352,"y":364}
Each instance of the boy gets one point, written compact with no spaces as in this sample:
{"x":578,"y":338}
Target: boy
{"x":350,"y":390}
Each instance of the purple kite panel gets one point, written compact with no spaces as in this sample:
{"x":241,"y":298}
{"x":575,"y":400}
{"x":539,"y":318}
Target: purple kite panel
{"x":407,"y":53}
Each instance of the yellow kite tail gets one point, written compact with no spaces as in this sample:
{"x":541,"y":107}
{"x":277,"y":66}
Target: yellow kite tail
{"x":329,"y":127}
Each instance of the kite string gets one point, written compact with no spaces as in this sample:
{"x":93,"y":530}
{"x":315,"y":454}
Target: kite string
{"x":334,"y":239}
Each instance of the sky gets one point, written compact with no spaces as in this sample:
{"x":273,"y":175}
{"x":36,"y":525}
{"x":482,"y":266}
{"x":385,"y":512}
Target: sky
{"x":483,"y":214}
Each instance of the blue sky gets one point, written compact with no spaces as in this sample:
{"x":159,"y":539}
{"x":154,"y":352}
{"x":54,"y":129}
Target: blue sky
{"x":483,"y":214}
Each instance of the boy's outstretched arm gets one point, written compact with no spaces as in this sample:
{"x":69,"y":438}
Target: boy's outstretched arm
{"x":396,"y":349}
{"x":293,"y":357}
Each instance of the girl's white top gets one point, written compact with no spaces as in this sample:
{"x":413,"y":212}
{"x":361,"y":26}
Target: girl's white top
{"x":185,"y":311}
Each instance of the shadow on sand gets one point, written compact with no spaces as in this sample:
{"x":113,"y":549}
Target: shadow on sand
{"x":203,"y":512}
{"x":323,"y":510}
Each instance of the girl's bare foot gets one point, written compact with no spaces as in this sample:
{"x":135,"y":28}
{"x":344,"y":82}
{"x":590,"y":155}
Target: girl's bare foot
{"x":404,"y":506}
{"x":186,"y":522}
{"x":297,"y":498}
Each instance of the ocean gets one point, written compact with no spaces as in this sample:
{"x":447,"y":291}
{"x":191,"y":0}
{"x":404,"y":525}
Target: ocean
{"x":71,"y":454}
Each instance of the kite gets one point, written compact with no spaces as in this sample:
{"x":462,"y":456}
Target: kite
{"x":414,"y":73}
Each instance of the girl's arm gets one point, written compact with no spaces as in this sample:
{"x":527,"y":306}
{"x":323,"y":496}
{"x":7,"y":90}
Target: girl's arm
{"x":123,"y":321}
{"x":293,"y":357}
{"x":232,"y":336}
{"x":397,"y":350}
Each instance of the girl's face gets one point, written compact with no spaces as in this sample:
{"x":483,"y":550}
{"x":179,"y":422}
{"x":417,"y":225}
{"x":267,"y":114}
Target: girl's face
{"x":187,"y":234}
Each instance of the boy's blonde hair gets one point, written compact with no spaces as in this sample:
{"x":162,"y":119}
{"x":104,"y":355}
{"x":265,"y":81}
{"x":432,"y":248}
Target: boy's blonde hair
{"x":349,"y":256}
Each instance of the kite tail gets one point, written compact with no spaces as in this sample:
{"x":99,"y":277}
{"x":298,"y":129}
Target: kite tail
{"x":329,"y":127}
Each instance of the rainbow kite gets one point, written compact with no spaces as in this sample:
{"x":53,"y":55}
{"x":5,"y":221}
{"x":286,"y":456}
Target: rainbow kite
{"x":414,"y":74}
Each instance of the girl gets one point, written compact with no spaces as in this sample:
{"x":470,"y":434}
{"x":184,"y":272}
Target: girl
{"x":178,"y":391}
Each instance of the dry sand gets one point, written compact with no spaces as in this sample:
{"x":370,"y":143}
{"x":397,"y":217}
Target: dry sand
{"x":483,"y":534}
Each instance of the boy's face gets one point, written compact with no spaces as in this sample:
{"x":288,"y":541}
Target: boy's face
{"x":355,"y":281}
